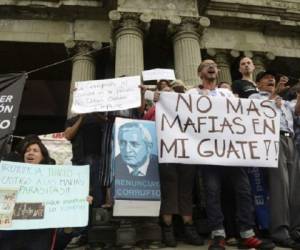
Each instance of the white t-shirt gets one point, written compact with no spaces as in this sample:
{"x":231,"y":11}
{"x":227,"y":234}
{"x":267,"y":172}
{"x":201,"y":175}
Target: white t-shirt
{"x":220,"y":92}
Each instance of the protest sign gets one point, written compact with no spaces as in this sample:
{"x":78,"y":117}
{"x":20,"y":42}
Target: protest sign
{"x":107,"y":95}
{"x":158,"y":74}
{"x":59,"y":148}
{"x":48,"y":196}
{"x":11,"y":89}
{"x":135,"y":163}
{"x":198,"y":129}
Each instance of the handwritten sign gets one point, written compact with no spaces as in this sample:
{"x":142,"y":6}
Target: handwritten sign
{"x":158,"y":74}
{"x":48,"y":196}
{"x":198,"y":129}
{"x":59,"y":148}
{"x":107,"y":95}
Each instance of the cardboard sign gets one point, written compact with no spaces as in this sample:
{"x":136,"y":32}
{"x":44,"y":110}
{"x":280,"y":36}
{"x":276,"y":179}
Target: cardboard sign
{"x":107,"y":95}
{"x":59,"y":148}
{"x":136,"y":183}
{"x":158,"y":74}
{"x":198,"y":129}
{"x":48,"y":196}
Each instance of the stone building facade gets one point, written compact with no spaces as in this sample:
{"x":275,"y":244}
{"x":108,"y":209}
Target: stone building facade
{"x":108,"y":38}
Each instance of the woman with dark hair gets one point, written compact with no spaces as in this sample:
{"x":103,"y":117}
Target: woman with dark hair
{"x":33,"y":151}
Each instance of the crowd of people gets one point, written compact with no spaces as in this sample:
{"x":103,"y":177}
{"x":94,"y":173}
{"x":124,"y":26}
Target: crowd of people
{"x":90,"y":135}
{"x":283,"y":207}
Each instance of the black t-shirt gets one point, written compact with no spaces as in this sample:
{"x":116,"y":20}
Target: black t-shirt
{"x":88,"y":139}
{"x":243,"y":88}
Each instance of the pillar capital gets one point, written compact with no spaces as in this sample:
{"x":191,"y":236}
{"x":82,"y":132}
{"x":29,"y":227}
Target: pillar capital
{"x":270,"y":56}
{"x":129,"y":21}
{"x":189,"y":25}
{"x":259,"y":60}
{"x":211,"y":52}
{"x":80,"y":47}
{"x":221,"y":56}
{"x":235,"y":53}
{"x":248,"y":53}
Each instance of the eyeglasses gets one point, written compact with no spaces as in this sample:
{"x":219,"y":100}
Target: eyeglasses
{"x":209,"y":65}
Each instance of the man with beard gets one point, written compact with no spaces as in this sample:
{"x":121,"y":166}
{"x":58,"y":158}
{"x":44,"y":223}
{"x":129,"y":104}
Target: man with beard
{"x":245,"y":86}
{"x":213,"y":175}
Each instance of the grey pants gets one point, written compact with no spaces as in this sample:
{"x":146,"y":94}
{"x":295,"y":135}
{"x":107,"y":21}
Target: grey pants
{"x":284,"y":183}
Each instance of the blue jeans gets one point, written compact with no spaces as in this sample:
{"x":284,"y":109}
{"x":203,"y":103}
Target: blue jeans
{"x":212,"y":178}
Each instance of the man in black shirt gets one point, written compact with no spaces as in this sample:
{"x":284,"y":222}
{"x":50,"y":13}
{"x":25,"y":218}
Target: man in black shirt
{"x":245,"y":86}
{"x":85,"y":133}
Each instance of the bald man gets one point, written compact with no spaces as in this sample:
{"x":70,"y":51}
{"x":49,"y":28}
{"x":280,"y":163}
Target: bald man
{"x":246,"y":86}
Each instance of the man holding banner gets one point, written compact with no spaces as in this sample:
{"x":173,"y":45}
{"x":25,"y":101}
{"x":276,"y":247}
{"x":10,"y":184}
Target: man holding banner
{"x":213,"y":175}
{"x":283,"y":181}
{"x":85,"y":132}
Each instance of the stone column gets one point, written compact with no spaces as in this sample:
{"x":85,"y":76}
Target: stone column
{"x":187,"y":54}
{"x":83,"y":67}
{"x":128,"y":36}
{"x":222,"y":59}
{"x":260,"y":64}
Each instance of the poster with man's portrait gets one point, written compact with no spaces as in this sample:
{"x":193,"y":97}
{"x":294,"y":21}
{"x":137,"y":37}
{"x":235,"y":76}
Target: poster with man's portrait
{"x":135,"y":162}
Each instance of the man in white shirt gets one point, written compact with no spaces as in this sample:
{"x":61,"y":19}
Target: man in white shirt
{"x":213,"y":175}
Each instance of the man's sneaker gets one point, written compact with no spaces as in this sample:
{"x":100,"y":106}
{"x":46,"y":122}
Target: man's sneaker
{"x":191,"y":235}
{"x":295,"y":235}
{"x":168,"y":237}
{"x":231,"y":241}
{"x":253,"y":242}
{"x":78,"y":241}
{"x":217,"y":243}
{"x":288,"y":243}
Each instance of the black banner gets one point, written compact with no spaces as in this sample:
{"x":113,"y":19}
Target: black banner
{"x":11,"y":89}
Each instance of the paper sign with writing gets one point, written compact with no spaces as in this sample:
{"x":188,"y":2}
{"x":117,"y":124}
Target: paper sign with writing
{"x":59,"y":148}
{"x":198,"y":129}
{"x":158,"y":74}
{"x":48,"y":196}
{"x":107,"y":95}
